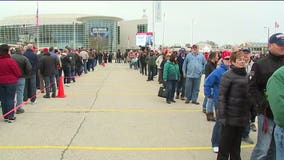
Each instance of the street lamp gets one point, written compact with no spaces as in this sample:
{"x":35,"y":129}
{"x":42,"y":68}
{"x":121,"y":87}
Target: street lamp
{"x":268,"y":34}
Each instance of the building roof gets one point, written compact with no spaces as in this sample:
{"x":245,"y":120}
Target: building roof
{"x":44,"y":19}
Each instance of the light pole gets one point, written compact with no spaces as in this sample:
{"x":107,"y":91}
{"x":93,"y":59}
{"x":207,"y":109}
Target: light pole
{"x":268,"y":34}
{"x":192,"y":21}
{"x":164,"y":22}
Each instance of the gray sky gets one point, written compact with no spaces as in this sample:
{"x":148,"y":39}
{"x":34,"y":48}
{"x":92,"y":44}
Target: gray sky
{"x":218,"y":21}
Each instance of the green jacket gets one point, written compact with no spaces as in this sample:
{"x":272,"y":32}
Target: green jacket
{"x":171,"y":71}
{"x":275,"y":95}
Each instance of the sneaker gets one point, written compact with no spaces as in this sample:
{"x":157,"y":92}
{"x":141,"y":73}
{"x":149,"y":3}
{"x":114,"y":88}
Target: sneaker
{"x":248,"y":140}
{"x":204,"y":110}
{"x":215,"y":149}
{"x":169,"y":102}
{"x":34,"y":102}
{"x":253,"y":127}
{"x":20,"y":110}
{"x":197,"y":103}
{"x":10,"y":120}
{"x":182,"y":98}
{"x":177,"y":96}
{"x":187,"y":101}
{"x":53,"y":96}
{"x":46,"y":96}
{"x":173,"y":101}
{"x":67,"y":85}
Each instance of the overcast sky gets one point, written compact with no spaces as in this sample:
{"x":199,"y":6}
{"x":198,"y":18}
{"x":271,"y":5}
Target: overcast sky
{"x":221,"y":22}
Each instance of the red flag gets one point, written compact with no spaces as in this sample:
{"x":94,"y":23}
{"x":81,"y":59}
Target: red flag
{"x":276,"y":25}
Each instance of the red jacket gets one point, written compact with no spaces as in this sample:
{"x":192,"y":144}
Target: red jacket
{"x":9,"y":70}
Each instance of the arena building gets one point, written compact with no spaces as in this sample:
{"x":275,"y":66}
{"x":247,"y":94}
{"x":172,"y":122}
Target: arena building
{"x":72,"y":30}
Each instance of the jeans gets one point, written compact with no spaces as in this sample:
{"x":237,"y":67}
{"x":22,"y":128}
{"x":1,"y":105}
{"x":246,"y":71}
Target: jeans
{"x":279,"y":142}
{"x":192,"y":86}
{"x":210,"y":105}
{"x":20,"y":92}
{"x":30,"y":88}
{"x":181,"y":87}
{"x":151,"y":72}
{"x":50,"y":84}
{"x":265,"y":145}
{"x":7,"y":95}
{"x":216,"y":134}
{"x":171,"y":85}
{"x":67,"y":74}
{"x":85,"y":65}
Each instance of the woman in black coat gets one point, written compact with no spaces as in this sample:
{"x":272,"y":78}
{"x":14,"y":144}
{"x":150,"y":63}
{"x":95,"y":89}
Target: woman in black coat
{"x":232,"y":110}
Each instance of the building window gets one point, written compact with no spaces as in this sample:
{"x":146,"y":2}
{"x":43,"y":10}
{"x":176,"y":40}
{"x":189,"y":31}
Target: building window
{"x":142,"y":28}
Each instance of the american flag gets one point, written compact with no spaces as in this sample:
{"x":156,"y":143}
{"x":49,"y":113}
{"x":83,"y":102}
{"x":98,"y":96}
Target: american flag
{"x":276,"y":25}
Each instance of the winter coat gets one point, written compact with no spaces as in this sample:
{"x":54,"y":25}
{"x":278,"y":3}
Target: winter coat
{"x":275,"y":95}
{"x":48,"y":65}
{"x":33,"y":58}
{"x":171,"y":71}
{"x":209,"y":67}
{"x":213,"y":81}
{"x":259,"y":74}
{"x":10,"y":72}
{"x":233,"y":108}
{"x":24,"y":64}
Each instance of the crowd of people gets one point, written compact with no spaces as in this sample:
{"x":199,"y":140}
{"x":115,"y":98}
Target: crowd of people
{"x":237,"y":87}
{"x":235,"y":90}
{"x":24,"y":69}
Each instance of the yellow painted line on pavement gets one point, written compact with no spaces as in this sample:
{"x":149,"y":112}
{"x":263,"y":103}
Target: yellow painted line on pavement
{"x":94,"y":148}
{"x":121,"y":110}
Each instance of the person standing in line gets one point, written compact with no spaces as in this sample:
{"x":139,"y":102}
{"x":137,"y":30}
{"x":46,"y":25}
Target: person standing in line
{"x":193,"y":68}
{"x":275,"y":96}
{"x":180,"y":91}
{"x":26,"y":69}
{"x":233,"y":110}
{"x":245,"y":136}
{"x":213,"y":81}
{"x":171,"y":75}
{"x":48,"y":67}
{"x":10,"y":72}
{"x":260,"y":72}
{"x":208,"y":103}
{"x":30,"y":86}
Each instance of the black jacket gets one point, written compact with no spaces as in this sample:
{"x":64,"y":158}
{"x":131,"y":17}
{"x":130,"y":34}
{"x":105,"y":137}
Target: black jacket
{"x":233,"y":108}
{"x":47,"y":65}
{"x":23,"y":63}
{"x":209,"y":67}
{"x":259,"y":75}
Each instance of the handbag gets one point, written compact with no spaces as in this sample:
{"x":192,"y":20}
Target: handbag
{"x":163,"y":92}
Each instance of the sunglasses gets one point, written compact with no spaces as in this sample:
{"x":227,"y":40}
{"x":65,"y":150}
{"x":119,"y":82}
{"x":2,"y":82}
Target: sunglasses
{"x":227,"y":59}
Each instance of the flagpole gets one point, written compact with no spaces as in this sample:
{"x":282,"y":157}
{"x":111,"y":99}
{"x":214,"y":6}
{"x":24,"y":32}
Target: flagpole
{"x":37,"y":28}
{"x":154,"y":39}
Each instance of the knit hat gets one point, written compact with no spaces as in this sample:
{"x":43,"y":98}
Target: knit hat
{"x":225,"y":53}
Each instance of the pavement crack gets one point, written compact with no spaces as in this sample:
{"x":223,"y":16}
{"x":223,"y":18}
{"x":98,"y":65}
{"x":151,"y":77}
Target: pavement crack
{"x":73,"y":137}
{"x":83,"y":120}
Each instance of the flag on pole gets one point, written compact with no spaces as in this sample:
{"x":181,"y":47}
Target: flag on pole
{"x":276,"y":25}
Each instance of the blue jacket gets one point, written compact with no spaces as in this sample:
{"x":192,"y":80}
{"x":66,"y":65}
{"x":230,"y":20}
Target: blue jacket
{"x":213,"y":81}
{"x":194,"y":65}
{"x":33,"y":58}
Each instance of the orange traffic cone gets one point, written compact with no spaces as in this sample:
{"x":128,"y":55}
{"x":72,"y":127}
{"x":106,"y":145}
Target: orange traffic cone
{"x":103,"y":64}
{"x":61,"y":88}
